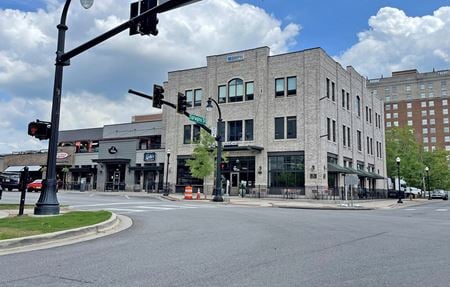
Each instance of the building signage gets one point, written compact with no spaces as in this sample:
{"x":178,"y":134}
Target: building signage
{"x":112,"y":150}
{"x":230,"y":144}
{"x":62,"y":155}
{"x":235,"y":58}
{"x":149,"y":156}
{"x":197,"y":119}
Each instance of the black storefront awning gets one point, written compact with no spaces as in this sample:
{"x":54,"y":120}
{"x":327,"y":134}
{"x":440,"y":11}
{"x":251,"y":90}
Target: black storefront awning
{"x":146,"y":168}
{"x":375,"y":176}
{"x":354,"y":171}
{"x":246,"y":147}
{"x":82,"y":169}
{"x":335,"y":168}
{"x":112,"y":160}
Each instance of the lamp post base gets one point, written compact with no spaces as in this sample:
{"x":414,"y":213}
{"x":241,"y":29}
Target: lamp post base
{"x":217,"y":198}
{"x":399,"y":200}
{"x":46,"y":209}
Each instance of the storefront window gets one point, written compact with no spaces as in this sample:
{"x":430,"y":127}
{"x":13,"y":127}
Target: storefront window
{"x":286,"y":171}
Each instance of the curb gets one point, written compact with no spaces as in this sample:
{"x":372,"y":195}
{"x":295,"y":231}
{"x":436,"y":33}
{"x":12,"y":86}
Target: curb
{"x":47,"y":237}
{"x":324,"y":207}
{"x":3,"y":214}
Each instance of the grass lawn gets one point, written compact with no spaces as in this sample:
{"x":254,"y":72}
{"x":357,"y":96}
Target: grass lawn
{"x":20,"y":226}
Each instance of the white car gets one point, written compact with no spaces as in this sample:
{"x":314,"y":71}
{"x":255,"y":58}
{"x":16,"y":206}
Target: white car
{"x":414,"y":192}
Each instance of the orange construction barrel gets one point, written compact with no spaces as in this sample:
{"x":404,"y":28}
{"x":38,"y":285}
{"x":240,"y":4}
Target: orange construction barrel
{"x":188,"y":192}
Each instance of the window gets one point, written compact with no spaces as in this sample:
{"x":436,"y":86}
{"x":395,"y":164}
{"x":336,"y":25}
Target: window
{"x":371,"y":146}
{"x":248,"y":130}
{"x":370,"y":115}
{"x":234,"y":131}
{"x":433,"y":139}
{"x":279,"y":87}
{"x":235,"y":90}
{"x":422,"y":86}
{"x":334,"y":131}
{"x":446,"y":129}
{"x":222,"y":94}
{"x":291,"y":124}
{"x":344,"y":137}
{"x":388,"y":124}
{"x":376,"y":119}
{"x":367,"y":113}
{"x":410,"y":122}
{"x":368,"y":145}
{"x":447,"y":138}
{"x":445,"y":121}
{"x":425,"y":140}
{"x":432,"y":130}
{"x":388,"y":107}
{"x":424,"y":114}
{"x":430,"y":95}
{"x":388,"y":116}
{"x":395,"y":124}
{"x":187,"y":134}
{"x":409,"y":114}
{"x":395,"y":106}
{"x":328,"y":88}
{"x":286,"y":171}
{"x":358,"y":105}
{"x":291,"y":86}
{"x":348,"y":137}
{"x":198,"y":97}
{"x":409,"y":105}
{"x":431,"y":103}
{"x":328,"y":129}
{"x":423,"y":104}
{"x":445,"y":111}
{"x":424,"y":122}
{"x":333,"y":90}
{"x":408,"y":88}
{"x":444,"y":102}
{"x":422,"y":95}
{"x":425,"y":130}
{"x":358,"y":134}
{"x":249,"y":91}
{"x":196,"y":135}
{"x":431,"y":112}
{"x":430,"y":85}
{"x":343,"y":98}
{"x":348,"y":101}
{"x":189,"y":98}
{"x":279,"y":128}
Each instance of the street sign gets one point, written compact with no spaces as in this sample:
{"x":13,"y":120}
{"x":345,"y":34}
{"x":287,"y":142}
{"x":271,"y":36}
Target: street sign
{"x":351,"y":179}
{"x":213,"y":132}
{"x":197,"y":119}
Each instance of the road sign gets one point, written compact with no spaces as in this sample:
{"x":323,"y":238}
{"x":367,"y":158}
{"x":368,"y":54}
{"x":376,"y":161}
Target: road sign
{"x":213,"y":132}
{"x":197,"y":119}
{"x":351,"y":179}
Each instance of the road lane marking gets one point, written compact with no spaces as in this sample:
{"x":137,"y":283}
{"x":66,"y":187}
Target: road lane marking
{"x":106,"y":204}
{"x":126,"y":210}
{"x":442,"y":209}
{"x":410,"y":209}
{"x":154,"y":207}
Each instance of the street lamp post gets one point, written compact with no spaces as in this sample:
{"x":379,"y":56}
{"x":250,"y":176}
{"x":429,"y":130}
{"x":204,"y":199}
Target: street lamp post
{"x":218,"y":194}
{"x":428,"y":182}
{"x":48,"y":202}
{"x":166,"y":190}
{"x":398,"y":182}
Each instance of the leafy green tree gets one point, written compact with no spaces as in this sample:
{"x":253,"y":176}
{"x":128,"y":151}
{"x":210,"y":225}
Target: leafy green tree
{"x":438,"y":162}
{"x":203,"y":163}
{"x":401,"y":142}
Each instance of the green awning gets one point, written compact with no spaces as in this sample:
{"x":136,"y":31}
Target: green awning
{"x":333,"y":167}
{"x":354,"y":171}
{"x":375,"y":176}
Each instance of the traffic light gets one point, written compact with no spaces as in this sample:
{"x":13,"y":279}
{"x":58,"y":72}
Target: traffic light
{"x":181,"y":103}
{"x":158,"y":95}
{"x":147,"y":25}
{"x":40,"y":130}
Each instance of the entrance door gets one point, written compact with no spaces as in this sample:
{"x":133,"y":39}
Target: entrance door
{"x":116,"y":180}
{"x":234,"y":185}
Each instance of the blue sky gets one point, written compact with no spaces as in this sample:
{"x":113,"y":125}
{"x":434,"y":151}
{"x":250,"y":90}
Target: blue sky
{"x":375,"y":37}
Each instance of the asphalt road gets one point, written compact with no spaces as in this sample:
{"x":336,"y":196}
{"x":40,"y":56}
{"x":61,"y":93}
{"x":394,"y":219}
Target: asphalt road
{"x":189,"y":244}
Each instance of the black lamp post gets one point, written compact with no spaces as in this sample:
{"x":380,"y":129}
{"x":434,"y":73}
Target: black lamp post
{"x":166,"y":190}
{"x":398,"y":178}
{"x":48,"y":202}
{"x":428,"y":182}
{"x":218,"y":194}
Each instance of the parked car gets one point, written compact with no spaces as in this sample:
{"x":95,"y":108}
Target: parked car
{"x":35,"y":185}
{"x":10,"y":181}
{"x":413,"y":191}
{"x":439,"y":193}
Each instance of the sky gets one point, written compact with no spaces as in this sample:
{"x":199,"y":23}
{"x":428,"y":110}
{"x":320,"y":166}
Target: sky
{"x":375,"y":37}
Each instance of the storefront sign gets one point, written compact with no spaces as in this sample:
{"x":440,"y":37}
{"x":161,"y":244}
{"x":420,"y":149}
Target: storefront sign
{"x":112,"y":150}
{"x":235,"y":58}
{"x":62,"y":155}
{"x":149,"y":156}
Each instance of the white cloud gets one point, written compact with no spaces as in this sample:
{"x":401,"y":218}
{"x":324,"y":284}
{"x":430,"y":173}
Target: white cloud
{"x":396,"y":41}
{"x":96,"y":81}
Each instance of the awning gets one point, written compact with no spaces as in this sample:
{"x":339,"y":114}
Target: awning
{"x":147,"y":168}
{"x":354,"y":171}
{"x":375,"y":176}
{"x":333,"y":167}
{"x":245,"y":147}
{"x":112,"y":160}
{"x":82,"y":169}
{"x":19,"y":168}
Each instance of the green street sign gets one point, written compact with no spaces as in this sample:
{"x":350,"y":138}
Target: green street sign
{"x":197,"y":119}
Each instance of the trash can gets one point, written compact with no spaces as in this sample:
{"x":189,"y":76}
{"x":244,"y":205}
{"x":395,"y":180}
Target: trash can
{"x":82,"y":187}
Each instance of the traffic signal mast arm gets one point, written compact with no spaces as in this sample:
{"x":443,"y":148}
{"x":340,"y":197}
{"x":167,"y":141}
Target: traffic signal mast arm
{"x":164,"y":7}
{"x":208,"y":130}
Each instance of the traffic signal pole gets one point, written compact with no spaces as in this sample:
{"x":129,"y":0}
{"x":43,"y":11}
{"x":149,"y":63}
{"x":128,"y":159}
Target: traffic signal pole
{"x":48,"y":202}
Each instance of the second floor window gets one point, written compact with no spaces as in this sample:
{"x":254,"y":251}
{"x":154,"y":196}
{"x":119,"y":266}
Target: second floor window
{"x":249,"y":91}
{"x":279,"y":128}
{"x":236,"y":90}
{"x":234,"y":130}
{"x":222,"y":91}
{"x":198,"y":97}
{"x":279,"y":87}
{"x":291,"y":86}
{"x":189,"y":98}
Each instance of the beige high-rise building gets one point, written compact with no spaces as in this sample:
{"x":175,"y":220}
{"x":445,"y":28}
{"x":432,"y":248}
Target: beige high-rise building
{"x":418,"y":101}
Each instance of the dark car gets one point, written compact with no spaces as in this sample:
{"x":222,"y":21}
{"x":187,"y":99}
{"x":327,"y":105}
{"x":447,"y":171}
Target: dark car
{"x":10,"y":181}
{"x":439,"y":193}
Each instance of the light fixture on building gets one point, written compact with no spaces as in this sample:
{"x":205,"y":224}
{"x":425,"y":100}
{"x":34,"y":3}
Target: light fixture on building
{"x":313,"y":167}
{"x":260,"y":170}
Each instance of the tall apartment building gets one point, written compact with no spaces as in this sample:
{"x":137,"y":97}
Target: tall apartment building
{"x":297,"y":120}
{"x":418,"y":101}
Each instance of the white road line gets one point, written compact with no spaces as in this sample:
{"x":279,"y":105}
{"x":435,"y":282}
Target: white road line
{"x":127,"y":197}
{"x":91,"y":195}
{"x":409,"y":209}
{"x":106,"y":204}
{"x":154,"y":207}
{"x":126,"y":210}
{"x":442,"y":209}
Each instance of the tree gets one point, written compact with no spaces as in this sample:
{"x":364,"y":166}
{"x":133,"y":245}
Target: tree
{"x":438,"y":162}
{"x":203,"y":163}
{"x":401,"y":142}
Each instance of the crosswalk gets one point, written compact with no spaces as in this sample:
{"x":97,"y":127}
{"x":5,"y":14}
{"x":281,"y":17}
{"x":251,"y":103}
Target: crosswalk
{"x":139,"y":206}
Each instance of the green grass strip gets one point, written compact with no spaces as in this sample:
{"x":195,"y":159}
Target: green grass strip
{"x":20,"y":226}
{"x":6,"y":206}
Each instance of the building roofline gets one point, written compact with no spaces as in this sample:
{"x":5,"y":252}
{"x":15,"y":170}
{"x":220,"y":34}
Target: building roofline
{"x":238,"y":51}
{"x":185,"y":70}
{"x":301,"y":51}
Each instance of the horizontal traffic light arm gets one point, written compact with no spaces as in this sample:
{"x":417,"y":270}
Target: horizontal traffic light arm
{"x":164,"y":7}
{"x":208,"y":130}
